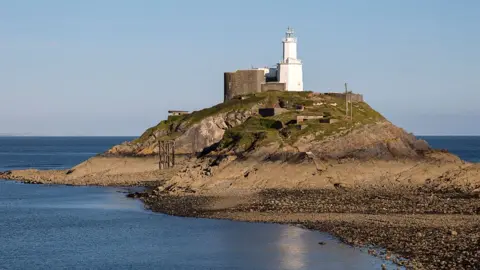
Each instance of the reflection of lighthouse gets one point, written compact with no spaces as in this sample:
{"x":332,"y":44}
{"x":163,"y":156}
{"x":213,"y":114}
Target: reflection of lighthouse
{"x":292,"y":247}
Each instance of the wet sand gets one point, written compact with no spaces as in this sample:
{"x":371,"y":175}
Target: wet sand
{"x":431,"y":230}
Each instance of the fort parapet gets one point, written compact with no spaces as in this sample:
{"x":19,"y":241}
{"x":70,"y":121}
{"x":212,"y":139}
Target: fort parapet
{"x":242,"y":82}
{"x":351,"y":96}
{"x":273,"y":86}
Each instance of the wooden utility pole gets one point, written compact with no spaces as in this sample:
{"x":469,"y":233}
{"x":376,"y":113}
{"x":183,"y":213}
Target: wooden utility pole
{"x":346,"y":100}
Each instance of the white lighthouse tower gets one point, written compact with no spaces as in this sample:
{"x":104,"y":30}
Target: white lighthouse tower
{"x":290,"y":68}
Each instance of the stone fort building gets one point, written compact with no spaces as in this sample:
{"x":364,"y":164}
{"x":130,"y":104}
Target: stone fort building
{"x":285,"y":76}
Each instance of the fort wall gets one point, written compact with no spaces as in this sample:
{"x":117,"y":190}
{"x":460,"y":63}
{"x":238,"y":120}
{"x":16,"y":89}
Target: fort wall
{"x":273,"y":86}
{"x":351,"y":96}
{"x":242,"y":82}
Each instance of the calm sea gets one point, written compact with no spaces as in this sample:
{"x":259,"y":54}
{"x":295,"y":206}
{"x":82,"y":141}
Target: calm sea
{"x":62,"y":227}
{"x":466,"y":147}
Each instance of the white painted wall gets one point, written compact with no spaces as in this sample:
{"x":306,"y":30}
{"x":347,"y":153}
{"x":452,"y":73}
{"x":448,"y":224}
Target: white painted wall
{"x":289,"y":49}
{"x":290,"y":69}
{"x":292,"y":75}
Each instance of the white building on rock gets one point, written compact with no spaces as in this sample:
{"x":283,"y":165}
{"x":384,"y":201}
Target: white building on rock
{"x":285,"y":76}
{"x":289,"y":70}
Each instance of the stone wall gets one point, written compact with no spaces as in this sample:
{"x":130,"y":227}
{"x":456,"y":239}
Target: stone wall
{"x":353,"y":97}
{"x":242,"y":82}
{"x":301,"y":118}
{"x":273,"y":86}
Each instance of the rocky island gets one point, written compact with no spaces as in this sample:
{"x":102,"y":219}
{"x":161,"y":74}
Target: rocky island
{"x":300,"y":158}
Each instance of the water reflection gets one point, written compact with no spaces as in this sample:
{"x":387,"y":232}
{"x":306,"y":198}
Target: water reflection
{"x":292,"y":248}
{"x":96,"y":198}
{"x":98,"y":228}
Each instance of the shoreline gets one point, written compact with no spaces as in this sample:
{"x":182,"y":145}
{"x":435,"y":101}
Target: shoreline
{"x":325,"y":243}
{"x":139,"y":184}
{"x":373,"y":250}
{"x":426,"y":211}
{"x":417,"y":229}
{"x":422,"y":239}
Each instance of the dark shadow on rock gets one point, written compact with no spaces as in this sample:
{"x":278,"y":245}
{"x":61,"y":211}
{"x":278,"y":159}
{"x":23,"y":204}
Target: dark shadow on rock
{"x":207,"y":150}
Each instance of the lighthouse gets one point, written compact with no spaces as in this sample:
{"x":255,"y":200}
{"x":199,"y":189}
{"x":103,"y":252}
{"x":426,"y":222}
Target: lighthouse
{"x":287,"y":75}
{"x":290,"y":68}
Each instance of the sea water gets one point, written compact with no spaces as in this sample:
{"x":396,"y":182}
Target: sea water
{"x":63,"y":227}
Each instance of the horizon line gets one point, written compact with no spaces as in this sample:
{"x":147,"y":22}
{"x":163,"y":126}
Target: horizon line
{"x":417,"y":135}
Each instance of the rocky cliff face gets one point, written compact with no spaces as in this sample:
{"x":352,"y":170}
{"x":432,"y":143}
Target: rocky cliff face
{"x":242,"y":150}
{"x":379,"y":140}
{"x":366,"y":135}
{"x":189,"y":139}
{"x":209,"y":131}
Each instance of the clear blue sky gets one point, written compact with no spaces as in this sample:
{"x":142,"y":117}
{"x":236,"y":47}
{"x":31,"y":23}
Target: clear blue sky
{"x":115,"y":67}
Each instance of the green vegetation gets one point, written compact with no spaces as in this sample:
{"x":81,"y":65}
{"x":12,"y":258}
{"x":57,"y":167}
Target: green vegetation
{"x":231,"y":105}
{"x":281,"y":128}
{"x":149,"y":132}
{"x":260,"y":131}
{"x":169,"y":125}
{"x":289,"y":99}
{"x":253,"y":132}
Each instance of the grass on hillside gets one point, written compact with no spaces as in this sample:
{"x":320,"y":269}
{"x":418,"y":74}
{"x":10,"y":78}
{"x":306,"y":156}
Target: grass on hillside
{"x":257,"y":131}
{"x":262,"y":130}
{"x":252,"y":132}
{"x":197,"y":116}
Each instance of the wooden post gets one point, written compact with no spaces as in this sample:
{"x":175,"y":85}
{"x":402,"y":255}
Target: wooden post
{"x":168,"y":154}
{"x":173,"y":154}
{"x":159,"y":155}
{"x":163,"y":154}
{"x":165,"y":165}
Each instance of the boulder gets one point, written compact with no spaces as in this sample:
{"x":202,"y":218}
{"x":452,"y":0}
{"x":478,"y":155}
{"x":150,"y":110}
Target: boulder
{"x":421,"y":145}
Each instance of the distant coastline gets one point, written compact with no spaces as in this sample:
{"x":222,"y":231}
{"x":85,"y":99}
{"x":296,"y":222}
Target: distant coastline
{"x":15,"y":134}
{"x":135,"y":136}
{"x":65,"y":136}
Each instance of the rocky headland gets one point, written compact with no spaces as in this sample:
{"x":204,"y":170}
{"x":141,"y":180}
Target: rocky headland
{"x":360,"y":178}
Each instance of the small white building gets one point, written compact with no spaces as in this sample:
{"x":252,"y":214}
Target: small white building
{"x":176,"y":113}
{"x":270,"y":73}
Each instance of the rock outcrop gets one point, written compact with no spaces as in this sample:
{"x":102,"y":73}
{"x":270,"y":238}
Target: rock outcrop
{"x":238,"y":150}
{"x":189,"y":138}
{"x":209,"y":131}
{"x":379,"y":140}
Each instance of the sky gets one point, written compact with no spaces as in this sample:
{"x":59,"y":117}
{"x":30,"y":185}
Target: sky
{"x":114,"y":67}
